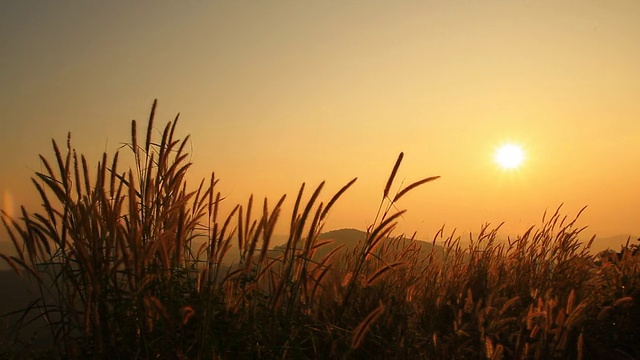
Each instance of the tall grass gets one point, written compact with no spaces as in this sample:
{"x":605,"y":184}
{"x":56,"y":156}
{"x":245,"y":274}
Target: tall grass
{"x":132,"y":263}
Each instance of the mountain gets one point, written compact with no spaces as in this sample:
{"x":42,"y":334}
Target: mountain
{"x":613,"y":242}
{"x":350,"y":238}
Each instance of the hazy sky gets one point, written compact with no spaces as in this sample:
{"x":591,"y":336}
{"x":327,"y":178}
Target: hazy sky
{"x":276,"y":93}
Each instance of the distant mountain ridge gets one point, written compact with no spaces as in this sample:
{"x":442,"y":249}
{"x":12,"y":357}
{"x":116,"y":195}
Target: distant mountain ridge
{"x":613,"y":242}
{"x":349,"y":238}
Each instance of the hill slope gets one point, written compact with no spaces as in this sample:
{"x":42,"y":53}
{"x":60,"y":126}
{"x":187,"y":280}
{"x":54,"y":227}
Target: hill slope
{"x":350,"y":238}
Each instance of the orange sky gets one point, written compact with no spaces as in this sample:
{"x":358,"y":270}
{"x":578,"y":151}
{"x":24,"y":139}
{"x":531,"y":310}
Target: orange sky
{"x":276,"y":93}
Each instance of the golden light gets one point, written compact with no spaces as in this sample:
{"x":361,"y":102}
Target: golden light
{"x":7,"y":204}
{"x":509,"y":156}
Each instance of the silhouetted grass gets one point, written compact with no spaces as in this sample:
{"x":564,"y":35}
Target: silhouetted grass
{"x":116,"y":272}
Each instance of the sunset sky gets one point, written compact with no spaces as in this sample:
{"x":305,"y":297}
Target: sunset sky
{"x":277,"y":93}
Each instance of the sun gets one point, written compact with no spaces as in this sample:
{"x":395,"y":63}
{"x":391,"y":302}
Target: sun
{"x":509,"y":156}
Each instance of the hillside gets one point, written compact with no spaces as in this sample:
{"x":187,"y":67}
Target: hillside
{"x":612,"y":242}
{"x":348,"y":239}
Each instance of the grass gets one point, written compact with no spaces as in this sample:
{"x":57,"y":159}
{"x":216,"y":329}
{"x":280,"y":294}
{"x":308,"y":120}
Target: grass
{"x":116,"y":272}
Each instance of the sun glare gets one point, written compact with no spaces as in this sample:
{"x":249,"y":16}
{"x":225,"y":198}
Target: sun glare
{"x":509,"y":156}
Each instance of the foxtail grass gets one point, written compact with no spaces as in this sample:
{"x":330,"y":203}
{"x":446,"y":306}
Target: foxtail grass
{"x":127,"y":260}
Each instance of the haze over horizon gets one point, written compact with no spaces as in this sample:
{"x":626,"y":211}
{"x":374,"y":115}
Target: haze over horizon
{"x":279,"y":93}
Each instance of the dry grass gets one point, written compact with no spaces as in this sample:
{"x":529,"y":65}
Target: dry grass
{"x":116,"y":273}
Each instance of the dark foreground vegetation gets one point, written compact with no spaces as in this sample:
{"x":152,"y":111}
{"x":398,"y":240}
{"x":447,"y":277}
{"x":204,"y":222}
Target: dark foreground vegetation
{"x":130,"y":263}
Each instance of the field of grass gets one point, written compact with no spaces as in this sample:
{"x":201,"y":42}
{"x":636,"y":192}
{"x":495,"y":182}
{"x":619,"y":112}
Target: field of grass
{"x":130,"y":263}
